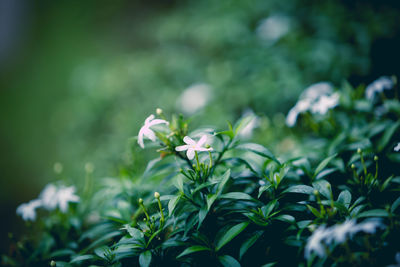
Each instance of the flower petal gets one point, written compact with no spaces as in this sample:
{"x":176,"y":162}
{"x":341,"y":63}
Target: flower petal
{"x":202,"y":140}
{"x":190,"y":153}
{"x":151,"y":135}
{"x":189,"y":140}
{"x":182,"y":148}
{"x":157,"y":121}
{"x":140,"y":137}
{"x":149,"y":119}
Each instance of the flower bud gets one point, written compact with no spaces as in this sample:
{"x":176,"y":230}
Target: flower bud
{"x":159,"y":111}
{"x":316,"y":192}
{"x":376,"y":158}
{"x":140,"y":201}
{"x":157,"y":195}
{"x":58,"y":167}
{"x":53,"y":263}
{"x":89,"y":167}
{"x":359,"y":150}
{"x":353,"y":166}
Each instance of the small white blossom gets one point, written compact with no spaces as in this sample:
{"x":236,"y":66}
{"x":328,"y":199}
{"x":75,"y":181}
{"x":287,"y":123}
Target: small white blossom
{"x":192,"y":146}
{"x":28,"y":210}
{"x":377,"y":86}
{"x":337,"y":234}
{"x":369,"y":226}
{"x":325,"y":103}
{"x":397,"y":258}
{"x":341,"y":231}
{"x":145,"y":131}
{"x":315,"y":242}
{"x":273,"y":28}
{"x":64,"y":195}
{"x":48,"y":197}
{"x":194,"y":98}
{"x":317,"y":98}
{"x":397,"y":147}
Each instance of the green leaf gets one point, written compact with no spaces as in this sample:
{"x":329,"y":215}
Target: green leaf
{"x":102,"y":240}
{"x":324,"y":188}
{"x":387,"y":136}
{"x":395,"y":204}
{"x":323,"y":164}
{"x":286,"y":218}
{"x":223,"y":180}
{"x":145,"y":258}
{"x":344,"y":198}
{"x":82,"y":258}
{"x":230,"y":234}
{"x":228,"y":261}
{"x":314,"y":211}
{"x":373,"y":213}
{"x":302,"y":189}
{"x":249,"y":242}
{"x":172,"y":204}
{"x":243,"y":122}
{"x":259,"y":150}
{"x":193,"y":249}
{"x":262,"y":189}
{"x":210,"y":200}
{"x":202,"y":215}
{"x":134,"y":232}
{"x":237,"y":195}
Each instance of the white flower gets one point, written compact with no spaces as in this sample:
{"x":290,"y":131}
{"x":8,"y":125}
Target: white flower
{"x":28,"y":210}
{"x":397,"y":258}
{"x":377,"y":86}
{"x":194,"y":98}
{"x":146,"y":131}
{"x":397,"y":147}
{"x":191,"y":146}
{"x":341,"y":231}
{"x":337,"y":234}
{"x":65,"y":195}
{"x":48,"y":197}
{"x":325,"y":103}
{"x":314,"y":242}
{"x":317,"y":98}
{"x":369,"y":226}
{"x":273,"y":28}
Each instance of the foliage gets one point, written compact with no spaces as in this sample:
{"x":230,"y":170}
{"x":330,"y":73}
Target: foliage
{"x":333,"y":201}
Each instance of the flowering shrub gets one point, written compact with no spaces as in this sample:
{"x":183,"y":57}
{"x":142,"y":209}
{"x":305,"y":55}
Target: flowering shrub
{"x":214,"y":199}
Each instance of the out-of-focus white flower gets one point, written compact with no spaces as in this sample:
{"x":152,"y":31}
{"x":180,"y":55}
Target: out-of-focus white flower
{"x":317,"y":98}
{"x":273,"y":28}
{"x":315,"y":242}
{"x":377,"y":86}
{"x":145,"y":131}
{"x":28,"y":210}
{"x":397,"y":147}
{"x":64,"y":196}
{"x":397,"y":259}
{"x":337,"y":234}
{"x":247,"y":131}
{"x":325,"y":103}
{"x":194,"y":98}
{"x":314,"y":91}
{"x":369,"y":226}
{"x":192,"y":146}
{"x":48,"y":197}
{"x":341,"y":231}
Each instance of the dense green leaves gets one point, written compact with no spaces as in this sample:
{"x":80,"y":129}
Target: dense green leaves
{"x":230,"y":234}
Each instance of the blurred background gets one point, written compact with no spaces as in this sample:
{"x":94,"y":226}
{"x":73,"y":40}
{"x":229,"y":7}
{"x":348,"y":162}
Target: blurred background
{"x":78,"y":78}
